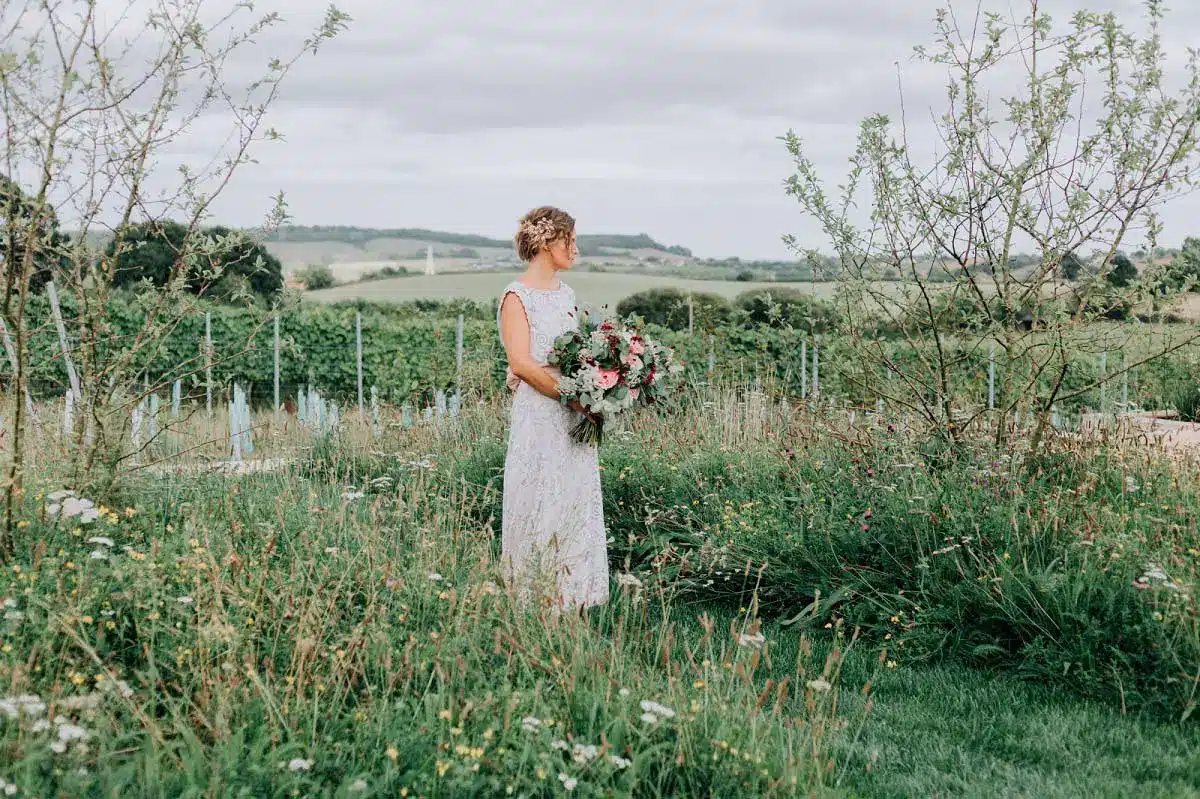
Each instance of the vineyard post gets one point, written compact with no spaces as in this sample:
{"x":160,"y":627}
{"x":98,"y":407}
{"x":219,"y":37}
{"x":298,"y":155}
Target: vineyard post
{"x":1124,"y":385}
{"x":52,"y":293}
{"x":816,"y":360}
{"x":992,"y":377}
{"x":277,"y":404}
{"x":1103,"y":380}
{"x":358,"y":360}
{"x":458,"y":350}
{"x":712,"y":356}
{"x":803,"y":369}
{"x":691,"y":315}
{"x":208,"y":353}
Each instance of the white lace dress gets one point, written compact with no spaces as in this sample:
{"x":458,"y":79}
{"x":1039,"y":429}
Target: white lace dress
{"x":553,"y":537}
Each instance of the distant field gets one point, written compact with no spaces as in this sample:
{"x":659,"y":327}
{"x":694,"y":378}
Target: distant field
{"x":595,"y":288}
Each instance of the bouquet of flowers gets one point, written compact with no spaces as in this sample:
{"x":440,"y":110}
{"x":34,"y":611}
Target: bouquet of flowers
{"x":611,"y":368}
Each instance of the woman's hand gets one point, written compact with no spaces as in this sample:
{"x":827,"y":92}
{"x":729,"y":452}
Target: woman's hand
{"x":578,"y":406}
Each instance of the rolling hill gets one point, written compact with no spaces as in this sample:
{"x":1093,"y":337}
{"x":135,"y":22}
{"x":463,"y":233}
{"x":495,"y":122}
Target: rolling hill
{"x":297,"y":246}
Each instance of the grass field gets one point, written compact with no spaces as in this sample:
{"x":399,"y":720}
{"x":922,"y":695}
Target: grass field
{"x":336,"y":627}
{"x":595,"y":288}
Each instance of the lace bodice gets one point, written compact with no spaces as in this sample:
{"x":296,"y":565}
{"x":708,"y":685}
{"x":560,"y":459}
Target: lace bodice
{"x":551,"y":312}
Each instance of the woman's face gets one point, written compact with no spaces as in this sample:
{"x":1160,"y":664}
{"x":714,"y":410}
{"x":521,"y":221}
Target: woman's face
{"x":563,"y":252}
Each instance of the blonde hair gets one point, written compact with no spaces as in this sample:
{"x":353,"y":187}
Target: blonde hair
{"x":540,"y":228}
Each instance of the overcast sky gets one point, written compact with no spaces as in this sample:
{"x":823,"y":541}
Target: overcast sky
{"x":656,"y":116}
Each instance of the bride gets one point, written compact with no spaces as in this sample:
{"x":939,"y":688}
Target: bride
{"x":553,"y":539}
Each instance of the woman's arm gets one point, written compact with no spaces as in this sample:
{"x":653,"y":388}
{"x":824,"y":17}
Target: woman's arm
{"x":514,"y":331}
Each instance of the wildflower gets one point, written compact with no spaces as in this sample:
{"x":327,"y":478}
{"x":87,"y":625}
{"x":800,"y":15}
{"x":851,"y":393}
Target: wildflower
{"x":623,"y":692}
{"x":98,"y":554}
{"x":619,"y":762}
{"x":560,"y":745}
{"x":99,"y":539}
{"x":657,"y":709}
{"x":392,"y":753}
{"x":184,"y":600}
{"x":585,"y":753}
{"x":891,"y":664}
{"x":354,"y":495}
{"x":820,"y":685}
{"x":434,"y":577}
{"x":358,"y":786}
{"x":27,"y":704}
{"x":531,"y":724}
{"x":299,"y":764}
{"x":628,"y":580}
{"x":568,"y":782}
{"x":752,"y":641}
{"x":649,"y":718}
{"x":9,"y":788}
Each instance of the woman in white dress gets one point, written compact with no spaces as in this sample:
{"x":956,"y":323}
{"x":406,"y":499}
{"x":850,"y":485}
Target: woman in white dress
{"x":553,"y":539}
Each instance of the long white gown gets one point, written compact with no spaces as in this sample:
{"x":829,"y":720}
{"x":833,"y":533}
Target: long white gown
{"x":553,"y":537}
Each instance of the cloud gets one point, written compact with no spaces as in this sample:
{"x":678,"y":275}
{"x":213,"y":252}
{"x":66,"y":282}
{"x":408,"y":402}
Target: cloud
{"x":660,"y":116}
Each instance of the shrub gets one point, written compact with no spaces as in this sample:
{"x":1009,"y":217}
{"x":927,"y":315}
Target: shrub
{"x":785,"y":306}
{"x":316,"y":277}
{"x":668,"y":307}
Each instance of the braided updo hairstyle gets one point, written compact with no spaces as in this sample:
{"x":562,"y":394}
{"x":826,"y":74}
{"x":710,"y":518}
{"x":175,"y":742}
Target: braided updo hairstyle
{"x":541,"y":227}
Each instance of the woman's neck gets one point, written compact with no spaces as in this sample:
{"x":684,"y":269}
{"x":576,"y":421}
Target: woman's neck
{"x":541,"y":275}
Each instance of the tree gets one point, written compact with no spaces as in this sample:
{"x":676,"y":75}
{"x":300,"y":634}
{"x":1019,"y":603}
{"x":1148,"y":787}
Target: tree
{"x":50,"y":248}
{"x":92,"y":99}
{"x":152,"y":251}
{"x":1123,"y":272}
{"x":1185,"y":266}
{"x":1071,"y":266}
{"x":1045,"y":169}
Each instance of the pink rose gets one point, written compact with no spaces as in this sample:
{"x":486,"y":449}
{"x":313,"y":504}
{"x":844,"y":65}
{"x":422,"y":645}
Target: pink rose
{"x":632,"y":361}
{"x":636,"y":347}
{"x":608,"y":378}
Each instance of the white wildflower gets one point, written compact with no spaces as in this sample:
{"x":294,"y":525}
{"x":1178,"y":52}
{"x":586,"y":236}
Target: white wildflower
{"x":560,"y":745}
{"x":619,"y":761}
{"x":568,"y":782}
{"x":9,"y":788}
{"x":1154,"y":572}
{"x":820,"y":685}
{"x":657,"y":709}
{"x":354,"y":495}
{"x":434,"y":577}
{"x":358,"y":786}
{"x":628,"y":580}
{"x":623,"y":692}
{"x":531,"y":724}
{"x":331,"y":550}
{"x":41,"y":725}
{"x":649,"y":718}
{"x":299,"y":764}
{"x":71,"y":732}
{"x":184,"y":600}
{"x":99,"y":539}
{"x":27,"y":704}
{"x":585,"y":753}
{"x":752,"y":641}
{"x":98,"y":554}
